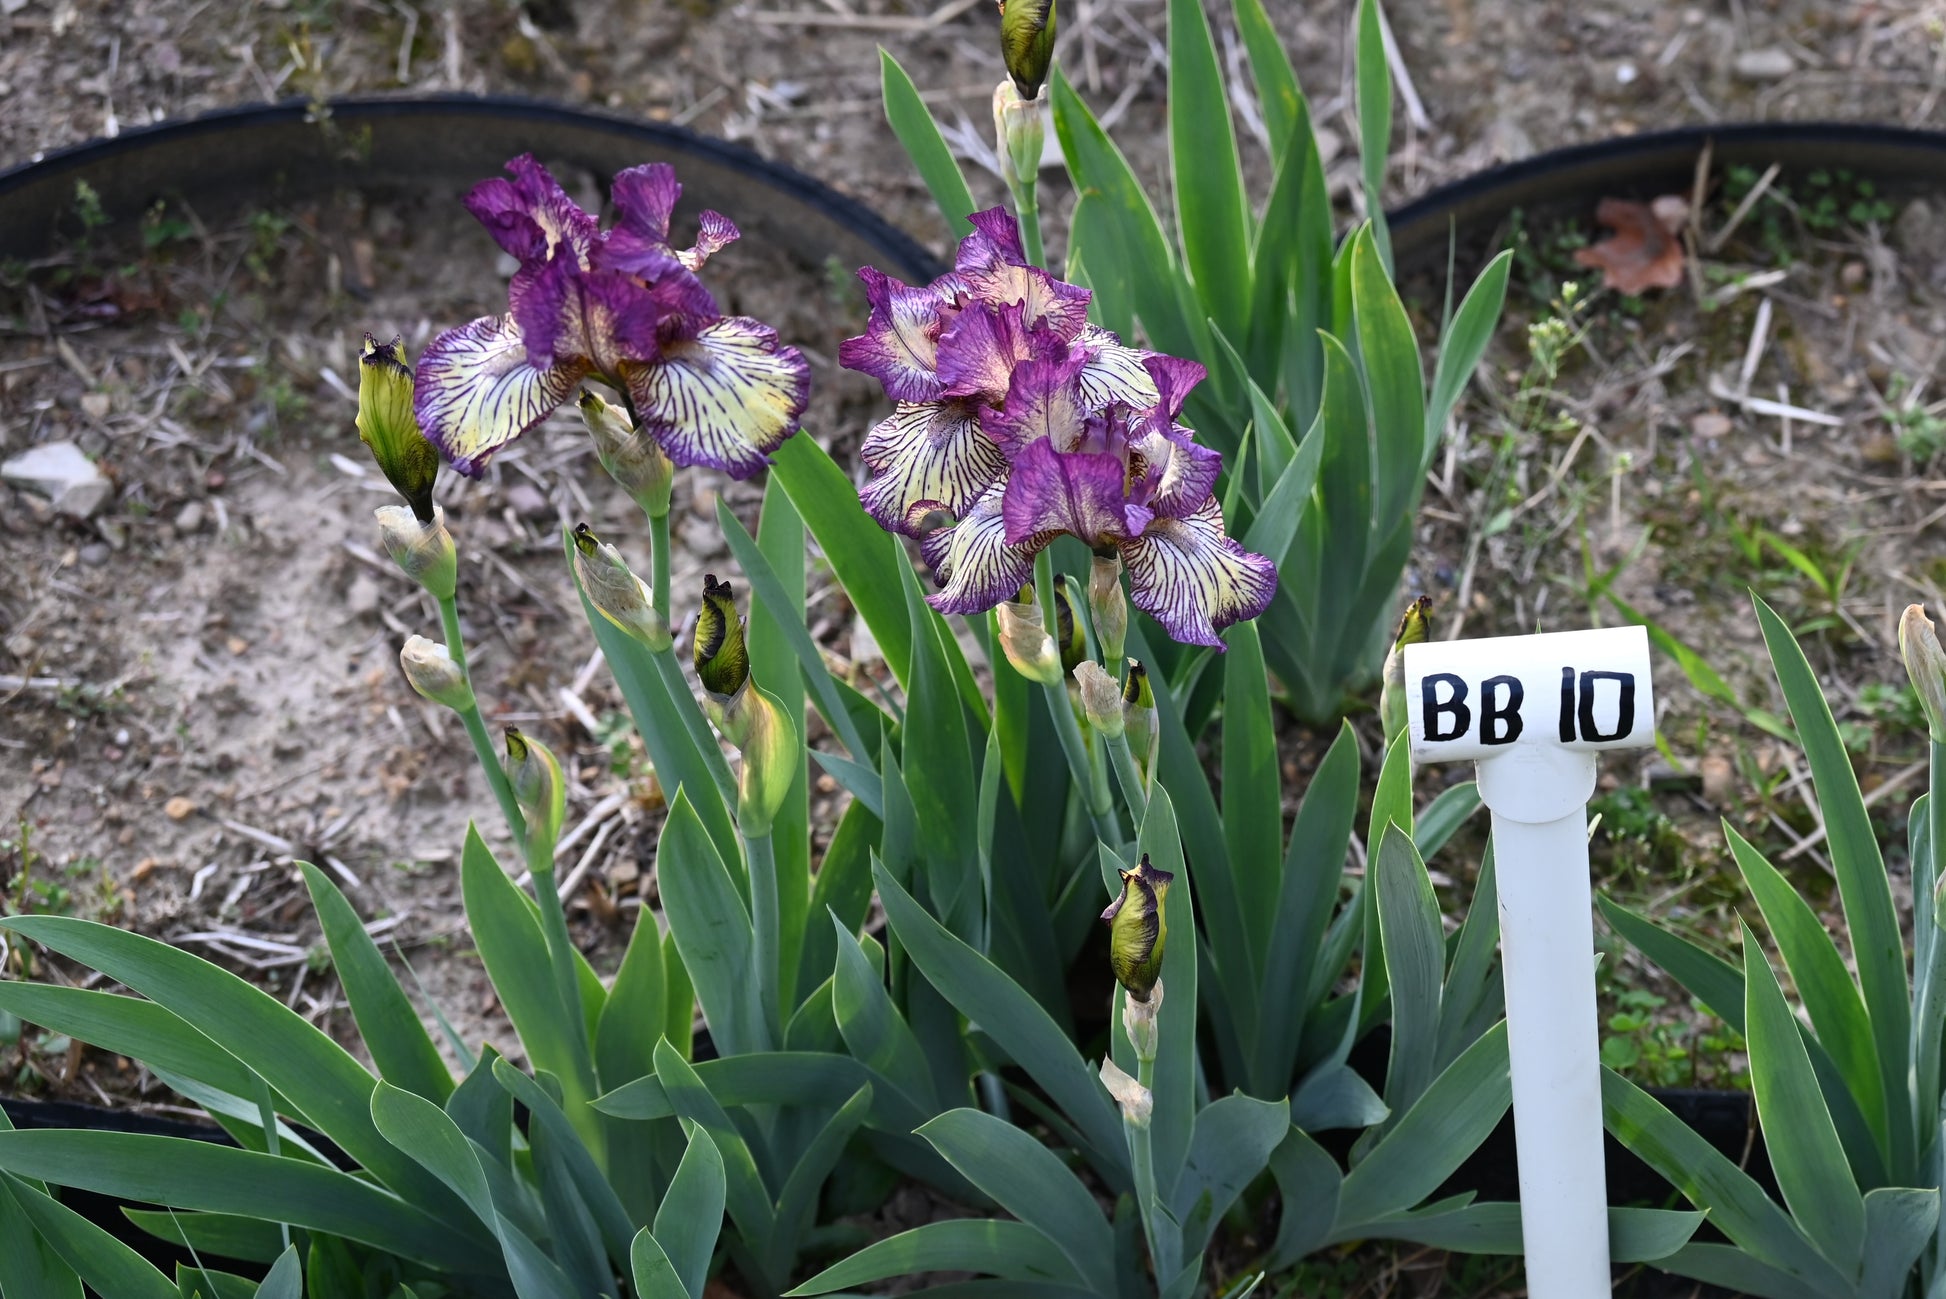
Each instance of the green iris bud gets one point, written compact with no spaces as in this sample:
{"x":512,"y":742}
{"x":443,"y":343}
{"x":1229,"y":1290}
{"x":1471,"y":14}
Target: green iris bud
{"x":1024,"y":638}
{"x":1108,"y":605}
{"x":1414,"y":628}
{"x":746,"y":714}
{"x":1027,"y":42}
{"x":1925,"y":663}
{"x":1138,"y":718}
{"x":1101,"y":698}
{"x":540,"y":789}
{"x":422,"y":550}
{"x":631,"y":457}
{"x":386,"y":425}
{"x":722,"y":659}
{"x":1137,"y":929}
{"x":1069,"y":634}
{"x":1020,"y":137}
{"x":614,"y":590}
{"x":430,"y":670}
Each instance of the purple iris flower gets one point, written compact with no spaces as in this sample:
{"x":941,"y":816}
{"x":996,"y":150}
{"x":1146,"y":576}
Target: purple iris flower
{"x":1018,"y":422}
{"x":621,"y":305}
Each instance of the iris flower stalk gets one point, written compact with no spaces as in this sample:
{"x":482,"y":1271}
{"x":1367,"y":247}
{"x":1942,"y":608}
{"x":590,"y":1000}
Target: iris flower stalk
{"x":418,"y":540}
{"x":1137,"y":934}
{"x":1925,"y":665}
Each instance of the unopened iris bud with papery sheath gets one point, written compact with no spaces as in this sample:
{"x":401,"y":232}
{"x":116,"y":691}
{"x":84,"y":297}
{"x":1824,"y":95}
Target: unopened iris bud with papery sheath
{"x":1414,"y":628}
{"x":1137,"y":929}
{"x":423,"y":551}
{"x":1027,"y":42}
{"x":1020,"y":136}
{"x":1069,"y":635}
{"x":539,"y":788}
{"x":631,"y":457}
{"x":430,"y":670}
{"x":386,"y":425}
{"x":1925,"y":663}
{"x":748,"y":716}
{"x":615,"y":592}
{"x":1108,"y":606}
{"x":1101,"y":698}
{"x":1024,"y":638}
{"x":1138,"y":718}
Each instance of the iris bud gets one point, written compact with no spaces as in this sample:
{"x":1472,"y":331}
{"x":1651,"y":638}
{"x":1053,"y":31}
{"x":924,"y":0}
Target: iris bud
{"x":1925,"y":663}
{"x":1108,"y":605}
{"x":430,"y":670}
{"x":1069,"y":634}
{"x":722,"y":659}
{"x":1101,"y":698}
{"x":631,"y":457}
{"x":1137,"y":929}
{"x":1024,"y":638}
{"x":539,"y":788}
{"x":1020,"y":136}
{"x":386,"y":425}
{"x":1138,"y":718}
{"x":1027,"y":42}
{"x":1414,"y":628}
{"x":748,"y":716}
{"x":1137,"y":1102}
{"x":615,"y":592}
{"x":423,"y":551}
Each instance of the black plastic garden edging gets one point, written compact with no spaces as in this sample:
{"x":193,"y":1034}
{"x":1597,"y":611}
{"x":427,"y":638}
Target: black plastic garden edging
{"x":1569,"y":182}
{"x":225,"y":160}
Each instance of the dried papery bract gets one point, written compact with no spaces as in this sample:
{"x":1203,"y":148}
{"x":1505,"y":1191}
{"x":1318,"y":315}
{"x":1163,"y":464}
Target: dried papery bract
{"x":430,"y":670}
{"x":1024,"y":638}
{"x":423,"y":551}
{"x":1101,"y":698}
{"x":1108,"y":606}
{"x":1136,"y":1101}
{"x":1925,"y":664}
{"x":631,"y":457}
{"x":539,"y":788}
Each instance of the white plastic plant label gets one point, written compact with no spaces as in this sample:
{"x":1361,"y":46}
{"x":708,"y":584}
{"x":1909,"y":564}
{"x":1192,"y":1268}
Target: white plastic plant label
{"x":1577,"y":690}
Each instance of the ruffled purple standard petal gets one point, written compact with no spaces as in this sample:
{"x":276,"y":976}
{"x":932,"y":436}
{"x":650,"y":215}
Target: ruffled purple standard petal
{"x":1043,"y":403}
{"x":725,"y":397}
{"x":975,"y":566}
{"x":980,"y":348}
{"x":1174,"y":377}
{"x":531,"y":216}
{"x":476,"y":391}
{"x":544,"y":299}
{"x":714,"y":233}
{"x":1083,"y":494}
{"x":644,"y":197}
{"x":1187,"y":575}
{"x":1115,"y":374}
{"x":928,"y":456}
{"x":994,"y":270}
{"x":900,"y":345}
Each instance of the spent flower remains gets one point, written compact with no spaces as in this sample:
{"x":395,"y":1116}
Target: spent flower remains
{"x":1019,"y":422}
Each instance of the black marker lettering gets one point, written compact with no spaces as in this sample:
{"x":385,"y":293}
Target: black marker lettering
{"x":1455,"y":705}
{"x":1500,"y":724}
{"x":1567,"y":706}
{"x":1625,"y":710}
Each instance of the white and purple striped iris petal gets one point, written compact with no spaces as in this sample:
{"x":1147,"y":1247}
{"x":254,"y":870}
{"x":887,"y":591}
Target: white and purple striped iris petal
{"x":725,"y":396}
{"x":476,"y":390}
{"x":714,"y":233}
{"x":973,"y":561}
{"x":644,"y":199}
{"x":900,"y":345}
{"x":1115,"y":374}
{"x":1187,"y":575}
{"x":928,"y":456}
{"x":994,"y":270}
{"x":1084,"y":494}
{"x":531,"y":216}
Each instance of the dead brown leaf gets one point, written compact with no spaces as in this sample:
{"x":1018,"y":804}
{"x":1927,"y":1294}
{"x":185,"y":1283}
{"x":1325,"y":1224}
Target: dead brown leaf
{"x":1645,"y":251}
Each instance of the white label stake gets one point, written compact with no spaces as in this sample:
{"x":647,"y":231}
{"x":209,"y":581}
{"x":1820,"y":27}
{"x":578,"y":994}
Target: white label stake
{"x":1532,"y":712}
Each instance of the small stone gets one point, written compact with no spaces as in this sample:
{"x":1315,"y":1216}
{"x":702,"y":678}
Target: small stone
{"x":63,"y":474}
{"x":362,"y":596}
{"x":1920,"y":232}
{"x":190,"y":518}
{"x":178,"y":808}
{"x":95,"y":405}
{"x":237,"y":645}
{"x":95,"y":554}
{"x":1719,"y":778}
{"x":528,"y":501}
{"x":1710,"y":424}
{"x":1768,"y":64}
{"x":624,"y":872}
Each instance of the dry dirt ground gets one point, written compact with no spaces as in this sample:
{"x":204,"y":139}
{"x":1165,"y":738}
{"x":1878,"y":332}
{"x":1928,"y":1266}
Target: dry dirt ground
{"x":200,"y":685}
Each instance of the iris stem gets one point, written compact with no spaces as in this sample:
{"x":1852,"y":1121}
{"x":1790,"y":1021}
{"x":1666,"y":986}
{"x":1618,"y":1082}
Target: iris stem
{"x":1929,"y":957}
{"x":1134,"y":793}
{"x":1142,"y":1157}
{"x":659,"y":566}
{"x":761,"y":852}
{"x":1065,"y":726}
{"x":1027,"y":207}
{"x":496,"y":775}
